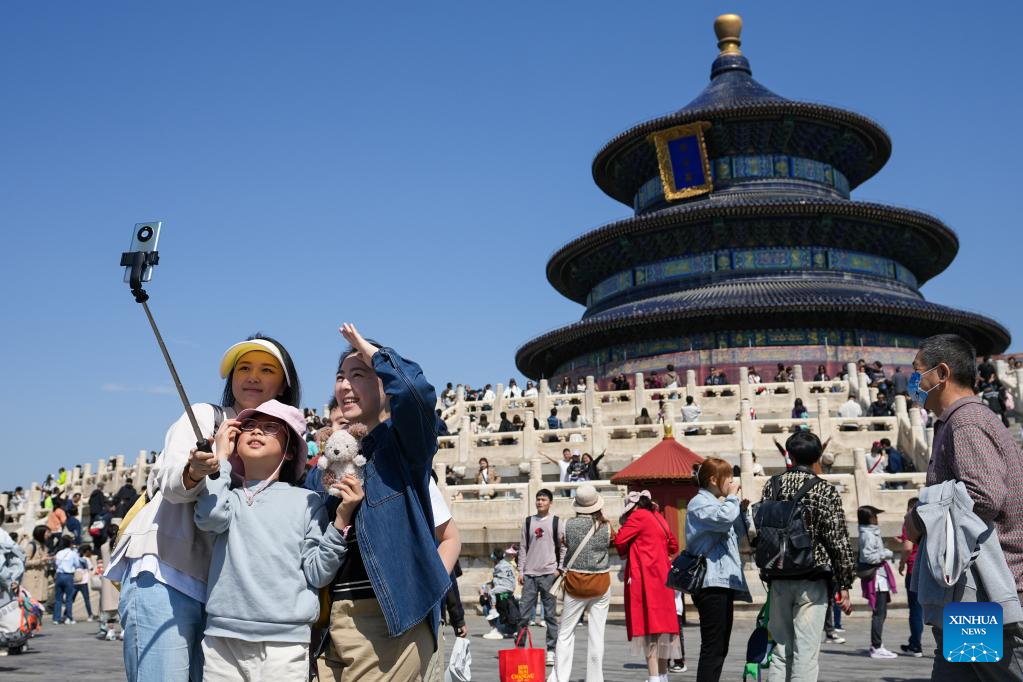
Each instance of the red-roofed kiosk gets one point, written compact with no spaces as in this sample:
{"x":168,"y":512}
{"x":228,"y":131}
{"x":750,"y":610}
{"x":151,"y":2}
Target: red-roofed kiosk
{"x":666,"y":470}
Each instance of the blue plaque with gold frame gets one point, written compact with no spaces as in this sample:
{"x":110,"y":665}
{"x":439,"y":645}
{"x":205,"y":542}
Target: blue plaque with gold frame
{"x":682,"y":158}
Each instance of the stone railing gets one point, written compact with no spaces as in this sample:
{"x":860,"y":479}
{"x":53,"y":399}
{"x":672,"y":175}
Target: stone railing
{"x":721,"y":401}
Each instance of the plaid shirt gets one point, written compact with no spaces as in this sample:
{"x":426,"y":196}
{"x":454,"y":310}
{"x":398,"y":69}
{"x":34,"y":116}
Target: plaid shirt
{"x":971,"y":445}
{"x":825,"y":521}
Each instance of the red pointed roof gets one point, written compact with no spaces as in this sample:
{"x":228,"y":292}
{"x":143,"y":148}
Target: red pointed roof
{"x":669,"y":460}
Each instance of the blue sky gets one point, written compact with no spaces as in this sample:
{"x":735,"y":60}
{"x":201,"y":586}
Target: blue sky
{"x":409,"y":167}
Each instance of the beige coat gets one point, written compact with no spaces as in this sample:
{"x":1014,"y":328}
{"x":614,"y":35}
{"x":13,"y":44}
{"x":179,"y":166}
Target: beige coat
{"x":108,"y":594}
{"x":35,"y":580}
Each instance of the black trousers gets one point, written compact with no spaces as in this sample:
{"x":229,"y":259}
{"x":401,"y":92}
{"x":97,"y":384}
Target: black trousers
{"x":878,"y":618}
{"x":714,"y":605}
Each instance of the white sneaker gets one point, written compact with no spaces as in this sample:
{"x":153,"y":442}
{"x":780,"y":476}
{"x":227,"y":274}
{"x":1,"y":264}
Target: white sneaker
{"x":120,"y":635}
{"x":881,"y":652}
{"x":835,"y":639}
{"x":111,"y":636}
{"x":550,"y":658}
{"x":69,"y":621}
{"x":493,"y":634}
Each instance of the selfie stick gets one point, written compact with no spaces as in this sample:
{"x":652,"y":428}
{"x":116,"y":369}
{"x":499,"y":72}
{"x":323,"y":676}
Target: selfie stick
{"x":138,"y":261}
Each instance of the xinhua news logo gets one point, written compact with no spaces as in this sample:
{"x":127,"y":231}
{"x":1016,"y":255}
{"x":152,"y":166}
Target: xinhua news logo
{"x":972,"y":632}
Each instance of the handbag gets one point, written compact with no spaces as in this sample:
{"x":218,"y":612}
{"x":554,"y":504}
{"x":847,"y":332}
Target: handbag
{"x":461,"y":659}
{"x":687,"y":572}
{"x":522,"y":665}
{"x":586,"y":585}
{"x":558,"y":586}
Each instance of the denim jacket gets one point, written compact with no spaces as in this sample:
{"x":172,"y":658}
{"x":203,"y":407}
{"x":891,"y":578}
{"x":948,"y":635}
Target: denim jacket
{"x":712,"y":529}
{"x":394,"y":523}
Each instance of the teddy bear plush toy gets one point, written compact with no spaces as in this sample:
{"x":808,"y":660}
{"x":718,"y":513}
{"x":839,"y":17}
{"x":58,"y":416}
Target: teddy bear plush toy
{"x":341,"y":456}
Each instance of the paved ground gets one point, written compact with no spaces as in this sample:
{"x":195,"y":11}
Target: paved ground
{"x":70,"y":652}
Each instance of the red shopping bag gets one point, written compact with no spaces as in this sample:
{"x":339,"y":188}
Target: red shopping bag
{"x":522,"y":665}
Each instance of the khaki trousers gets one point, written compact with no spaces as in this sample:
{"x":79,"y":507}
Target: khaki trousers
{"x":360,"y":650}
{"x":228,"y":660}
{"x":798,"y":609}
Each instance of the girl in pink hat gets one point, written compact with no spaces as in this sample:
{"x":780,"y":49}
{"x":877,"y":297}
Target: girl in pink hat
{"x":270,"y":536}
{"x":161,"y":559}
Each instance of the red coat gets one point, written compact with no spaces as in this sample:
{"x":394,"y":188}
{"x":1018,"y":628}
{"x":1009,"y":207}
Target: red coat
{"x":647,"y":543}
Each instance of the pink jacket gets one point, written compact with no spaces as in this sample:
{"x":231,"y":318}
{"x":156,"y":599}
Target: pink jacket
{"x":870,"y":586}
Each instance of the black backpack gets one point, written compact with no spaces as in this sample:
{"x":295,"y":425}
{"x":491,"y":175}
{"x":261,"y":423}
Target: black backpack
{"x":784,"y":548}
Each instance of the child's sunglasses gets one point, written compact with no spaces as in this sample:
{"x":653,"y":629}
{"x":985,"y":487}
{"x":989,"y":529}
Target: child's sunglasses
{"x":269,"y":428}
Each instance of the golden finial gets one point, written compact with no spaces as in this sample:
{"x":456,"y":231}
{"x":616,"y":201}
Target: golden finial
{"x":667,"y":430}
{"x":728,"y":28}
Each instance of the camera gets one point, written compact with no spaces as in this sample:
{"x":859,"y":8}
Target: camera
{"x":144,"y":234}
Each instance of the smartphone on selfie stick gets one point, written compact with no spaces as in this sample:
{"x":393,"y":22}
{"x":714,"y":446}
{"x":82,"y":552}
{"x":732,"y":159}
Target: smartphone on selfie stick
{"x":138,"y":262}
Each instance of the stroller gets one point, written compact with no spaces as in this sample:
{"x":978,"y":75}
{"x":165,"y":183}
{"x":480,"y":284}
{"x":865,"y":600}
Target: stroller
{"x":14,"y":630}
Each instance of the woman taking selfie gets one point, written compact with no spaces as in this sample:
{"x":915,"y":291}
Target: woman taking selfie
{"x":162,"y":560}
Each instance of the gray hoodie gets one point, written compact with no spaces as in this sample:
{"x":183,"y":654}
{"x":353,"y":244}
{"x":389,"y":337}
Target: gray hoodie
{"x":960,"y":555}
{"x":269,"y":559}
{"x":872,"y":549}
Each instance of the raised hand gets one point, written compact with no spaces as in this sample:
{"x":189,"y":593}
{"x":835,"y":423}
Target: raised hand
{"x":364,"y":347}
{"x":226,"y":438}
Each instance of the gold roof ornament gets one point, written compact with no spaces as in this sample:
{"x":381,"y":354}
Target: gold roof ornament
{"x":728,"y":28}
{"x":667,"y":430}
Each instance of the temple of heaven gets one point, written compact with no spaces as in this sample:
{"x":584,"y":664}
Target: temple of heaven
{"x":745,"y":248}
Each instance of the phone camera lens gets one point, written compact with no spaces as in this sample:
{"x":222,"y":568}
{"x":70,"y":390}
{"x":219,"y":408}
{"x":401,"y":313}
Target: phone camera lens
{"x":145,"y":233}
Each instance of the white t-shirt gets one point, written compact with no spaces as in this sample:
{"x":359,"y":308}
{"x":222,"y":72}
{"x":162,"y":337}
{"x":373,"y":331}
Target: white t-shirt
{"x":563,"y":465}
{"x":441,"y":513}
{"x":850,"y":410}
{"x":882,"y":580}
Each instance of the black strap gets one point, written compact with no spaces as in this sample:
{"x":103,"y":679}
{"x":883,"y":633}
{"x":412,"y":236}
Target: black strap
{"x":218,"y":417}
{"x":803,"y":489}
{"x":557,"y":540}
{"x":529,"y":522}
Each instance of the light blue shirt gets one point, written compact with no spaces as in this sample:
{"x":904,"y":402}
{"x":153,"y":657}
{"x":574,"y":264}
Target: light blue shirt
{"x":712,"y":529}
{"x":269,"y":559}
{"x":67,"y":560}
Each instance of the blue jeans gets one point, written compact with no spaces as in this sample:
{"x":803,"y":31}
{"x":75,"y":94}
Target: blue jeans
{"x":64,"y":584}
{"x":916,"y":617}
{"x":163,"y":631}
{"x":84,"y":591}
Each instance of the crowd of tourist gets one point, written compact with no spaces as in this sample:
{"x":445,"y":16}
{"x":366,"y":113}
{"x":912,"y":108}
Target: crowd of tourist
{"x":808,"y":590}
{"x":186,"y":555}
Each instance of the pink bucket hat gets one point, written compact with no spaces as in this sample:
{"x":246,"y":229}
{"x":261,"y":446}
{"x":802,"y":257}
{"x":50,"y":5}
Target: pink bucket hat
{"x":292,"y":469}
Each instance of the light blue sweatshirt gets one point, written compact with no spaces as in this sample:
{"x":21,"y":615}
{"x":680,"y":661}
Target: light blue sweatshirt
{"x":269,"y":559}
